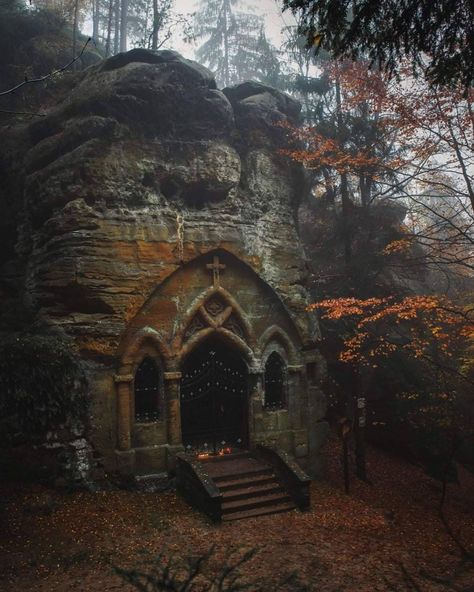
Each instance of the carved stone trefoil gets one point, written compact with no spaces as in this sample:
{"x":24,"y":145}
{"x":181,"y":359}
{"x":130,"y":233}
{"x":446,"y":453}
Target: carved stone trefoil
{"x":232,"y":324}
{"x":215,"y":306}
{"x":197,"y":324}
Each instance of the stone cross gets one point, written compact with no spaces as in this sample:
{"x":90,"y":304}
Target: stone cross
{"x":216,"y":267}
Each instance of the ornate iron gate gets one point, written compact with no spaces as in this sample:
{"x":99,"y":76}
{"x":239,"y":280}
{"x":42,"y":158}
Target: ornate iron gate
{"x":214,"y":400}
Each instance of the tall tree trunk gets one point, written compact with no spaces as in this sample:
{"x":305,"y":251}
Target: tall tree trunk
{"x":226,"y":43}
{"x":345,"y":464}
{"x":123,"y":24}
{"x":346,"y":231}
{"x":117,"y":27}
{"x":95,"y":20}
{"x":147,"y":38}
{"x":109,"y":28}
{"x":365,"y":186}
{"x":74,"y":31}
{"x":365,"y":180}
{"x":154,"y":39}
{"x":345,"y":200}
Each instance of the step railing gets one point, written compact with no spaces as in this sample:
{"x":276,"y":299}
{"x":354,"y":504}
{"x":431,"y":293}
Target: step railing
{"x":197,"y":487}
{"x":290,"y":474}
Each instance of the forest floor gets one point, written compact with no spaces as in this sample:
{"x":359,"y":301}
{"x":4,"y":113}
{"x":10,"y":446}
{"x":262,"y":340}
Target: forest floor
{"x":384,"y":536}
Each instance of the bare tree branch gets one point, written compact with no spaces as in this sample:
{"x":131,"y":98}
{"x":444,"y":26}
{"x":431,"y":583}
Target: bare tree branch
{"x":12,"y":90}
{"x":23,"y":113}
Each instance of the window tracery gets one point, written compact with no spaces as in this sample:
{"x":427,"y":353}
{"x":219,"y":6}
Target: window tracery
{"x":215,"y":313}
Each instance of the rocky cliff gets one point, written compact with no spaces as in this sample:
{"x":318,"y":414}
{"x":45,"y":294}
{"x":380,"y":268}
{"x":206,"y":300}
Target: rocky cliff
{"x":144,"y":165}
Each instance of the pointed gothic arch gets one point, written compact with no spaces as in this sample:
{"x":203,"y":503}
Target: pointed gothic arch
{"x":142,"y":344}
{"x":227,"y":337}
{"x":134,"y":344}
{"x":277,"y":334}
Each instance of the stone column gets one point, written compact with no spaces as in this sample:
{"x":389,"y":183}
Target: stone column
{"x":254,"y":405}
{"x":124,"y":420}
{"x":173,"y":407}
{"x":318,"y":427}
{"x":297,"y":397}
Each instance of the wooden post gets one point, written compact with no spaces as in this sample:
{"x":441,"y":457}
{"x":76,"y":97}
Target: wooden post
{"x":344,"y":429}
{"x":360,"y":422}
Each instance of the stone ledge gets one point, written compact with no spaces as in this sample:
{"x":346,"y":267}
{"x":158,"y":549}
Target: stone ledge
{"x":123,"y":377}
{"x":296,"y":368}
{"x":172,"y":375}
{"x":125,"y":461}
{"x":312,"y":356}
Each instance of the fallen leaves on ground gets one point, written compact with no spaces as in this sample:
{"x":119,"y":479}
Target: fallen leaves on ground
{"x":381,"y":537}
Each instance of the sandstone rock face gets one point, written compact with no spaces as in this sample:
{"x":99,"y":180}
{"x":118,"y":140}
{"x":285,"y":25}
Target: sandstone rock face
{"x":126,"y":187}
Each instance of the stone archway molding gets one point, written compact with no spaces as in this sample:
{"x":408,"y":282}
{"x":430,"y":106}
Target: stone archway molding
{"x":227,"y":336}
{"x":136,"y":342}
{"x":276,"y":333}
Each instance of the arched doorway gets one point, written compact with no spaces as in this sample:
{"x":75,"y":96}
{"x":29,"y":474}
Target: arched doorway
{"x":214,"y":397}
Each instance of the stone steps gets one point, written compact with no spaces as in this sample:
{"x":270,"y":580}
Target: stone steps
{"x":249,"y":474}
{"x":250,"y":491}
{"x":265,"y":511}
{"x":248,"y":486}
{"x":231,"y":484}
{"x":256,"y":501}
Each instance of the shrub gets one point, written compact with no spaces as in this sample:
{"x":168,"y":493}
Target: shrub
{"x":42,"y":386}
{"x":206,"y":572}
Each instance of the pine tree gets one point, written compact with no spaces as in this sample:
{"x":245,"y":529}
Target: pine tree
{"x":439,"y":33}
{"x":235,"y":46}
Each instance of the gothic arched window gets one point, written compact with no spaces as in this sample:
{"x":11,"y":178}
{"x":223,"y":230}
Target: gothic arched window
{"x":147,"y":391}
{"x":275,"y":382}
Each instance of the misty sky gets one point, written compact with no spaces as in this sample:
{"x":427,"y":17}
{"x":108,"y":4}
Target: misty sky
{"x":274,"y":21}
{"x":270,"y":9}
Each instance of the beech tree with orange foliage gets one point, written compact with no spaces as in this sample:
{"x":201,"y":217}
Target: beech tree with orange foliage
{"x":408,"y":144}
{"x":436,"y":175}
{"x":346,"y":145}
{"x":402,"y":143}
{"x":435,"y":336}
{"x":428,"y":327}
{"x":344,"y":149}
